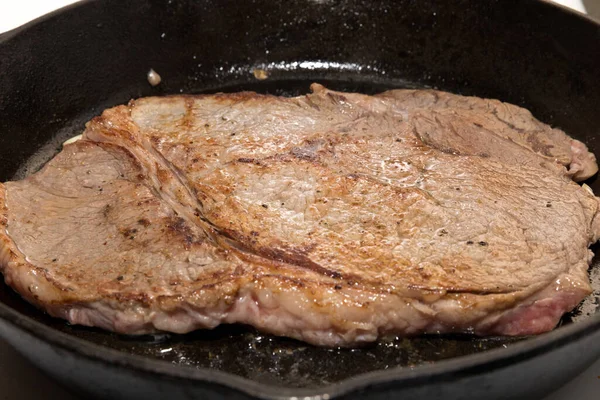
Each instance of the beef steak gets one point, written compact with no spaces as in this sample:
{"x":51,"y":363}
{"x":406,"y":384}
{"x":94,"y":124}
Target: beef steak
{"x":333,"y":218}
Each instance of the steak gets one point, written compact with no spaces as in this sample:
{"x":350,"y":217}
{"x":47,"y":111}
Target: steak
{"x":333,"y":218}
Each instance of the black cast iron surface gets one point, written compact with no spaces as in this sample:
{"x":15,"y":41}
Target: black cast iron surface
{"x":58,"y":72}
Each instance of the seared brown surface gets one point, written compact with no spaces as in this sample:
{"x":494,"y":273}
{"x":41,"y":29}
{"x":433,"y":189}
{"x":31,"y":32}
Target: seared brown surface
{"x":333,"y":218}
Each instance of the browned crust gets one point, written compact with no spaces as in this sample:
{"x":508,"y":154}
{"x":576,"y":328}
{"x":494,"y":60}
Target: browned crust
{"x":275,"y":259}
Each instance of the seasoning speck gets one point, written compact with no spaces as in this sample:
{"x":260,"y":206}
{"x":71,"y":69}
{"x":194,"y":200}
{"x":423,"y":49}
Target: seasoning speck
{"x":153,"y":77}
{"x":260,"y":74}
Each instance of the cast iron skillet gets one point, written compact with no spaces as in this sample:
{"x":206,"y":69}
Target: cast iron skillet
{"x":59,"y":71}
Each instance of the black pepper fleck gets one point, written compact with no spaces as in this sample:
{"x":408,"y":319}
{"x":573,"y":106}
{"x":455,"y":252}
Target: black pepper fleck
{"x":469,"y":242}
{"x":482,"y":243}
{"x":120,"y":277}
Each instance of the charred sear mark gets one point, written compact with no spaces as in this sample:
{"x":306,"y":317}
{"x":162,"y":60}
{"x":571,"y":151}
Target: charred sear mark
{"x":312,"y":104}
{"x":129,"y":232}
{"x":298,"y":259}
{"x":246,"y":160}
{"x":188,"y":119}
{"x":295,"y":257}
{"x":179,"y":226}
{"x":337,"y":98}
{"x":507,"y":123}
{"x":144,"y":222}
{"x":538,"y":146}
{"x":142,"y":298}
{"x":106,"y":210}
{"x":447,"y":150}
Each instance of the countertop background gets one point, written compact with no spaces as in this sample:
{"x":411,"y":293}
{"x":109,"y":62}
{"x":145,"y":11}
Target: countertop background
{"x":20,"y":380}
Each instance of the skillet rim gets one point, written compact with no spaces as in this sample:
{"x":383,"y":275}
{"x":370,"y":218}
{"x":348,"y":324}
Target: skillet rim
{"x":444,"y":370}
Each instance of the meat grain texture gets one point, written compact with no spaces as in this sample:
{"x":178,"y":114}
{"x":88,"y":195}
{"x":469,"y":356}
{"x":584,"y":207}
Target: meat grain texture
{"x":333,"y":218}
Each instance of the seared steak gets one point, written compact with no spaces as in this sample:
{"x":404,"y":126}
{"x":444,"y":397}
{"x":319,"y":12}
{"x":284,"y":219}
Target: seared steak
{"x":333,"y":218}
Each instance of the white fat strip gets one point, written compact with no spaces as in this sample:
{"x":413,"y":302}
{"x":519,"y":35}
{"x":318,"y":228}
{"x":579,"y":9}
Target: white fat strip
{"x":72,"y":140}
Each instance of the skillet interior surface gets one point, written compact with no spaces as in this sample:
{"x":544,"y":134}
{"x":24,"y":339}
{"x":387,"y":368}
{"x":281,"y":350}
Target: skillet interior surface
{"x":206,"y":46}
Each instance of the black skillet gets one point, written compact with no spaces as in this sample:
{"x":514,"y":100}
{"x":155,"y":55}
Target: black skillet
{"x":59,"y":71}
